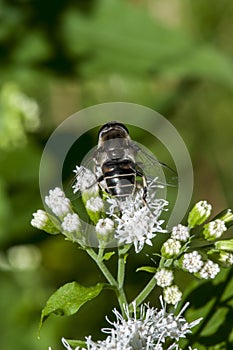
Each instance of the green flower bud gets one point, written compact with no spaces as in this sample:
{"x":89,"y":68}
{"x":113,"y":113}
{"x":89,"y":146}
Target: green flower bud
{"x":226,"y":245}
{"x":71,"y":227}
{"x":104,"y":230}
{"x":224,"y":259}
{"x":172,"y":294}
{"x":171,"y":248}
{"x":226,"y":216}
{"x":214,"y":229}
{"x":94,"y":207}
{"x":199,"y":214}
{"x":41,"y":220}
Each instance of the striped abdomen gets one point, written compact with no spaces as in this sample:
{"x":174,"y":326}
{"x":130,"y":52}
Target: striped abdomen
{"x":120,"y":177}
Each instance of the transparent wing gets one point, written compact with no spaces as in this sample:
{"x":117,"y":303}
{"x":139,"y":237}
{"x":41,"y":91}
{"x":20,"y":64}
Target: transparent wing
{"x":79,"y":179}
{"x":154,"y":168}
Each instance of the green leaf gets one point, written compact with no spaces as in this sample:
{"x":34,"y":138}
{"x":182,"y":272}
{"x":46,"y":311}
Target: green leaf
{"x":68,"y":299}
{"x":150,"y":269}
{"x":107,"y":256}
{"x":76,"y":343}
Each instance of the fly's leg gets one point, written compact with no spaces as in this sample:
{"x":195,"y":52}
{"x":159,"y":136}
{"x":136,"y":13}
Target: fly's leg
{"x":144,"y":188}
{"x":97,"y":181}
{"x":144,"y":185}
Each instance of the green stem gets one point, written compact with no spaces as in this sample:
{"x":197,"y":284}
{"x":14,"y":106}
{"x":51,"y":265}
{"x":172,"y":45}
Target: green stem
{"x":101,"y":253}
{"x":149,"y":287}
{"x":121,"y":265}
{"x":144,"y":293}
{"x":109,"y":277}
{"x":121,"y":275}
{"x":107,"y":274}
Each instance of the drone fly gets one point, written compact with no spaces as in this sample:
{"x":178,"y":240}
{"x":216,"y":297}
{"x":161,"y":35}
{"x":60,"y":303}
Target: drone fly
{"x":120,"y":165}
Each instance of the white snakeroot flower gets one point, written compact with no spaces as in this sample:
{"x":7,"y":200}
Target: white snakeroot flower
{"x":164,"y":277}
{"x":57,"y":202}
{"x":104,"y":227}
{"x":85,"y":182}
{"x":171,"y":248}
{"x":95,"y":204}
{"x":40,"y":218}
{"x":209,"y":270}
{"x":147,"y":330}
{"x":137,"y":224}
{"x":172,"y":295}
{"x":192,"y":262}
{"x":214,"y":229}
{"x":180,"y":232}
{"x":71,"y":223}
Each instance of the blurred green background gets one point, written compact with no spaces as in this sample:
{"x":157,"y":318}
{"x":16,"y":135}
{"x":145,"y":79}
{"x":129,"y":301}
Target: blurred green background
{"x":58,"y":57}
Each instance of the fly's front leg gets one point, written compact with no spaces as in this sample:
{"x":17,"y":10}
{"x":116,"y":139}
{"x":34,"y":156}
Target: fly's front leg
{"x":97,"y":181}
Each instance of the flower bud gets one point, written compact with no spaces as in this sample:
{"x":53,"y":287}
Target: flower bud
{"x":209,"y":270}
{"x":199,"y":214}
{"x":104,"y":230}
{"x":180,"y":232}
{"x":58,"y":203}
{"x":172,"y":294}
{"x":224,"y":259}
{"x":94,"y":207}
{"x":226,"y":216}
{"x":42,"y":221}
{"x":71,"y":227}
{"x":191,"y":262}
{"x":226,"y":244}
{"x":164,"y":277}
{"x":170,"y":248}
{"x":214,"y":229}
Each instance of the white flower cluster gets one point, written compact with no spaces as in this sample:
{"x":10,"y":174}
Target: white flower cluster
{"x":95,"y":204}
{"x":204,"y":208}
{"x":200,"y":212}
{"x":66,"y":222}
{"x":148,"y":330}
{"x":132,"y":220}
{"x":71,"y":223}
{"x":171,"y":293}
{"x":104,"y":227}
{"x":85,"y":181}
{"x":137,"y":227}
{"x":137,"y":222}
{"x":57,"y":202}
{"x":180,"y":233}
{"x":192,"y":262}
{"x":209,"y":270}
{"x":226,"y":258}
{"x":164,"y":277}
{"x":40,"y":218}
{"x":171,"y":248}
{"x":214,"y":229}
